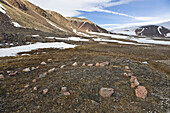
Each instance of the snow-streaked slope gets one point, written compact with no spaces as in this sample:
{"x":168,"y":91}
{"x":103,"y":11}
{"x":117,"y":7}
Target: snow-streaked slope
{"x":55,"y":25}
{"x":145,"y":40}
{"x":2,"y":9}
{"x":26,"y":48}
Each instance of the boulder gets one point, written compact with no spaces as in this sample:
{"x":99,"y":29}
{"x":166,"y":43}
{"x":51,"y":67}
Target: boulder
{"x":141,"y":92}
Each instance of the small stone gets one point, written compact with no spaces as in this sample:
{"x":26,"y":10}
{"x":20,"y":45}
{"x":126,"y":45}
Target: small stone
{"x":97,"y":64}
{"x":43,"y":75}
{"x":45,"y":91}
{"x":127,"y":68}
{"x":141,"y":92}
{"x":9,"y":72}
{"x":49,"y":60}
{"x":63,"y":89}
{"x":106,"y":92}
{"x":33,"y":68}
{"x":26,"y":70}
{"x":63,"y":66}
{"x":136,"y":83}
{"x":84,"y":64}
{"x":26,"y":86}
{"x":104,"y":64}
{"x":1,"y":76}
{"x":132,"y":79}
{"x":90,"y":65}
{"x":37,"y":67}
{"x":34,"y":80}
{"x":13,"y":74}
{"x":43,"y":63}
{"x":75,"y":64}
{"x":66,"y":93}
{"x":51,"y":70}
{"x":133,"y":85}
{"x":35,"y":88}
{"x":128,"y":74}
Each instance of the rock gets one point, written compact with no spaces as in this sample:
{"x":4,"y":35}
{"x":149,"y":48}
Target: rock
{"x":84,"y":64}
{"x":141,"y":92}
{"x":51,"y":70}
{"x":94,"y":102}
{"x":9,"y":72}
{"x":104,"y":64}
{"x":35,"y":88}
{"x":1,"y":76}
{"x":63,"y":89}
{"x":26,"y":70}
{"x":128,"y":74}
{"x":45,"y":91}
{"x":43,"y":63}
{"x":127,"y":68}
{"x":34,"y":80}
{"x":66,"y":93}
{"x":106,"y":92}
{"x":43,"y":75}
{"x":37,"y":67}
{"x":63,"y":66}
{"x":49,"y":60}
{"x":13,"y":74}
{"x":90,"y":65}
{"x":133,"y":85}
{"x":26,"y":86}
{"x":132,"y":79}
{"x":75,"y":64}
{"x":97,"y":64}
{"x":33,"y":68}
{"x":134,"y":82}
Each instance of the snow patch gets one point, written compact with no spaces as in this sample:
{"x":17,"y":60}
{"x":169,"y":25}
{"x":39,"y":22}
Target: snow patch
{"x":168,"y":35}
{"x":160,"y":27}
{"x":145,"y":62}
{"x":70,"y":38}
{"x":2,"y":9}
{"x":35,"y":35}
{"x":55,"y":25}
{"x":26,"y":48}
{"x":16,"y":24}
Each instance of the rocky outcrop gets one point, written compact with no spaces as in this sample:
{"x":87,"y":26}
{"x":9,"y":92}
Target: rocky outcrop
{"x":85,"y":25}
{"x":152,"y":30}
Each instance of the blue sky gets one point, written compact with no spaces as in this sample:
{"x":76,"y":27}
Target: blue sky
{"x":112,"y":13}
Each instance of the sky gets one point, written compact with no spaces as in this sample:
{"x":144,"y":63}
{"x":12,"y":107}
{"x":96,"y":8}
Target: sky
{"x":112,"y":14}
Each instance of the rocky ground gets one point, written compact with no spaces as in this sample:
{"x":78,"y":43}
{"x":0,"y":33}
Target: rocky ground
{"x":89,"y":78}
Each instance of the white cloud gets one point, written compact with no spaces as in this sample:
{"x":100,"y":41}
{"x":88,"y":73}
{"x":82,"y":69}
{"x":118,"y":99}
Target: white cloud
{"x":117,"y":3}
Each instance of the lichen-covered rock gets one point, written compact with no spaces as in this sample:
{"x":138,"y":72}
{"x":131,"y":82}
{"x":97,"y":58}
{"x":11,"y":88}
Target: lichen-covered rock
{"x":141,"y":92}
{"x":106,"y":92}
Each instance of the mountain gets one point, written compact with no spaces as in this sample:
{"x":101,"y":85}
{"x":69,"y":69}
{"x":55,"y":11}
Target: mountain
{"x":165,"y":24}
{"x":152,"y":30}
{"x":22,"y":13}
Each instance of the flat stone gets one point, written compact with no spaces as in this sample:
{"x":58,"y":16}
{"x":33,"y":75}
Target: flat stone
{"x":106,"y":92}
{"x":1,"y":76}
{"x":84,"y":64}
{"x":141,"y":92}
{"x":97,"y":64}
{"x":43,"y":63}
{"x":75,"y":64}
{"x":63,"y":89}
{"x":66,"y":93}
{"x":104,"y":64}
{"x":34,"y":80}
{"x":35,"y":88}
{"x":51,"y":70}
{"x":90,"y":65}
{"x":26,"y":70}
{"x":63,"y":66}
{"x":45,"y":91}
